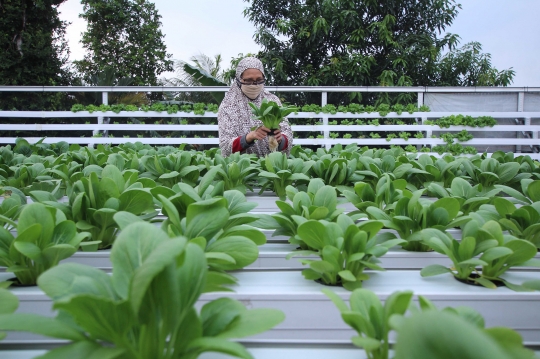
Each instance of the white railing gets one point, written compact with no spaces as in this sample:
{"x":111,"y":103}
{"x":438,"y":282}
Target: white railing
{"x":529,"y":134}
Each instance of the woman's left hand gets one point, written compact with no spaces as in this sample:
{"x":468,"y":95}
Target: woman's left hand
{"x":278,"y":136}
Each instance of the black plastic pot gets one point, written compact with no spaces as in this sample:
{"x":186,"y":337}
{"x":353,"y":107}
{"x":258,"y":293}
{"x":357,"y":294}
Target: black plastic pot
{"x":15,"y":283}
{"x":498,"y":283}
{"x":329,"y":285}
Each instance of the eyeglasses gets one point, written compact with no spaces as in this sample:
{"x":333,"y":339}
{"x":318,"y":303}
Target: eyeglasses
{"x":252,"y":82}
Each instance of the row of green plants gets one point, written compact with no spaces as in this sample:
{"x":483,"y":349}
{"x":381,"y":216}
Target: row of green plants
{"x":196,"y":108}
{"x":146,"y":309}
{"x":494,"y":229}
{"x":100,"y":207}
{"x":201,"y":108}
{"x":104,"y":201}
{"x":45,"y":166}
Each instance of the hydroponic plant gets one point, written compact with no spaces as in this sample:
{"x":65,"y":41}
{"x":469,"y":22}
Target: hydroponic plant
{"x":319,"y":202}
{"x":146,"y":309}
{"x":281,"y":172}
{"x":271,"y":115}
{"x":345,"y":249}
{"x":481,"y":246}
{"x":424,"y":332}
{"x":44,"y":238}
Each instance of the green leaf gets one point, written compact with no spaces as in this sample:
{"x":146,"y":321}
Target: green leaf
{"x":103,"y":318}
{"x":83,"y":349}
{"x":37,"y":213}
{"x":37,"y":324}
{"x":451,"y":205}
{"x":115,"y":175}
{"x":124,"y":219}
{"x":68,"y":279}
{"x":252,"y":322}
{"x":132,"y":247}
{"x":206,"y":80}
{"x":495,"y":253}
{"x":313,"y":233}
{"x":434,"y":269}
{"x":28,"y":249}
{"x":326,"y":197}
{"x":136,"y":201}
{"x":533,"y":190}
{"x":438,"y":335}
{"x":9,"y":301}
{"x":347,"y":275}
{"x":338,"y":302}
{"x":242,"y":249}
{"x":218,"y":314}
{"x":368,"y":344}
{"x":206,"y":218}
{"x":219,"y":345}
{"x":220,"y":256}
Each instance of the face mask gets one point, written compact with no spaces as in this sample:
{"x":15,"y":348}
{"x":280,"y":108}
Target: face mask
{"x":252,"y":91}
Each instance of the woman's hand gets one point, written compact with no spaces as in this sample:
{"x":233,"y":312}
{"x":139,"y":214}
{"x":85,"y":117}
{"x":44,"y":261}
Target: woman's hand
{"x":277,"y":135}
{"x":258,"y":134}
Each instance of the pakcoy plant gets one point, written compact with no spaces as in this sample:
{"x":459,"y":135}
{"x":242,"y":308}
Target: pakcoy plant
{"x":447,"y":333}
{"x":10,"y":209}
{"x":147,"y":308}
{"x":470,"y":197}
{"x":220,"y":225}
{"x":44,"y":238}
{"x":172,"y":168}
{"x":522,"y":222}
{"x":336,"y":171}
{"x":528,"y":193}
{"x":345,"y":250}
{"x":26,"y":176}
{"x":271,"y":114}
{"x":237,"y":172}
{"x":481,"y":246}
{"x":9,"y":301}
{"x":442,"y":170}
{"x":413,"y":214}
{"x":319,"y":202}
{"x":511,"y":252}
{"x":489,"y":172}
{"x":370,"y":318}
{"x":279,"y":172}
{"x":397,"y":167}
{"x":387,"y":192}
{"x":95,"y":201}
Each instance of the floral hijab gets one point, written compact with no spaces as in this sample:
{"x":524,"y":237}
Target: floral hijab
{"x":235,"y":117}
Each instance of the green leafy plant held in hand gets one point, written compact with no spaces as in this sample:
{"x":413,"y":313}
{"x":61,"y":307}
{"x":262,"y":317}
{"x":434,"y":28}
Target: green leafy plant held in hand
{"x":271,"y":114}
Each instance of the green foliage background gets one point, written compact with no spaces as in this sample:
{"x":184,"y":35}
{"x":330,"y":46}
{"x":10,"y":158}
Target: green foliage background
{"x":366,"y":43}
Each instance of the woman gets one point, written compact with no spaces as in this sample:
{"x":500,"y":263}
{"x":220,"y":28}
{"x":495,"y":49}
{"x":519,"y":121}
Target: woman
{"x":235,"y":118}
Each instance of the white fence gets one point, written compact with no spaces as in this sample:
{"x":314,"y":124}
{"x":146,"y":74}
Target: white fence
{"x":523,"y":132}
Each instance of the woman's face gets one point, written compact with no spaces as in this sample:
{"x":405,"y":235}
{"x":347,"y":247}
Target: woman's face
{"x":252,"y":75}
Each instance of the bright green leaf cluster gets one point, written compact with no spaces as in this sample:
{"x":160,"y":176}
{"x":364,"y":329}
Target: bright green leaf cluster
{"x":271,"y":114}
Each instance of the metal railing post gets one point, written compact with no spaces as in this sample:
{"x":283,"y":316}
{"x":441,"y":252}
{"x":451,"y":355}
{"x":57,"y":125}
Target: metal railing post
{"x":521,"y":100}
{"x":326,"y":132}
{"x":421,"y":120}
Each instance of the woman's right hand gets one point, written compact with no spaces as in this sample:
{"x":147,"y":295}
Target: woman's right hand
{"x":258,"y":134}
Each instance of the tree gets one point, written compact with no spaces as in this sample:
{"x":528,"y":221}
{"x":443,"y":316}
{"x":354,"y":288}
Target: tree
{"x":124,"y":35}
{"x":468,"y":66}
{"x":33,"y":51}
{"x":204,"y":71}
{"x":355,"y":42}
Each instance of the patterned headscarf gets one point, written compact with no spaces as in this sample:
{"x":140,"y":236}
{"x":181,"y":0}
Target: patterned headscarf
{"x":236,"y":119}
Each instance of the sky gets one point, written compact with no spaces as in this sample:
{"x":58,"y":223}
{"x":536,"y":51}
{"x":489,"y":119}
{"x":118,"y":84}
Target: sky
{"x":507,"y":29}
